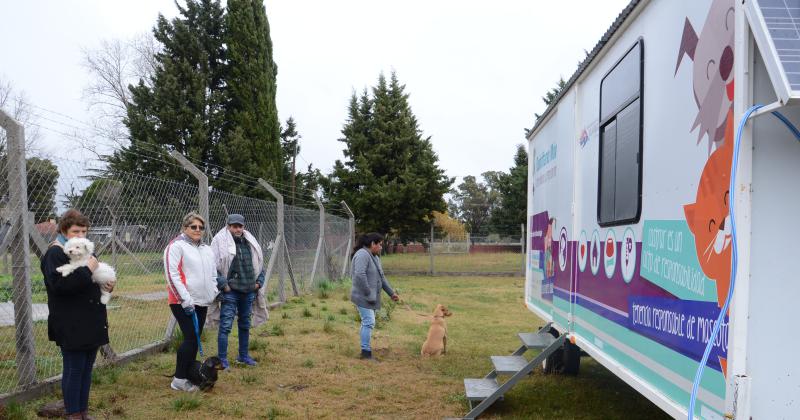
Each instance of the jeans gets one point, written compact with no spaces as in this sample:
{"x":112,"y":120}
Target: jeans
{"x":187,"y":352}
{"x":367,"y":324}
{"x":234,"y":302}
{"x":76,"y":379}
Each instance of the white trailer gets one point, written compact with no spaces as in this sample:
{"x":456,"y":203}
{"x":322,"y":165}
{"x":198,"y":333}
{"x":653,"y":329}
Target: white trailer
{"x":629,"y":200}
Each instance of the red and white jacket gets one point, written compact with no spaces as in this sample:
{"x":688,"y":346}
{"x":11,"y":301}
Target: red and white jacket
{"x":191,"y":272}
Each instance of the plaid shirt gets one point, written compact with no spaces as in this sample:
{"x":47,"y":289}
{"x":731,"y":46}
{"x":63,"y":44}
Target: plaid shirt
{"x":241,"y":276}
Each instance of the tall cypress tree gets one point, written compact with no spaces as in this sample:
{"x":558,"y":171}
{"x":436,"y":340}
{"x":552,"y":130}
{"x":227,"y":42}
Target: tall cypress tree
{"x":212,"y":98}
{"x":184,"y":108}
{"x":390,"y":177}
{"x":252,"y":130}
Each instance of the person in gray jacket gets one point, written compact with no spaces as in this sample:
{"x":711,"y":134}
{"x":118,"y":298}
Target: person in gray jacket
{"x":368,"y":280}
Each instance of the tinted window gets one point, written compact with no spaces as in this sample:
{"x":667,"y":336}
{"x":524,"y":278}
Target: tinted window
{"x":619,"y":185}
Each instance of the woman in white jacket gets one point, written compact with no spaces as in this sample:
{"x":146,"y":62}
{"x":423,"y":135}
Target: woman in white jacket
{"x":192,"y":286}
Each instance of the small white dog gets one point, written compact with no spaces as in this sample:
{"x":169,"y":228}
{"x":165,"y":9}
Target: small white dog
{"x":79,"y":250}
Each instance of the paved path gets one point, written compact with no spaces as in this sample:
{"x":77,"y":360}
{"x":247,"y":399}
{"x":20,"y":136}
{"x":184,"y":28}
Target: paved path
{"x":40,"y":311}
{"x":7,"y":313}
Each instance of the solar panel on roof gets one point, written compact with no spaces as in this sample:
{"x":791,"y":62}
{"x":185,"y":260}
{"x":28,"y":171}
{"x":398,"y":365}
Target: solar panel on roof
{"x":775,"y":25}
{"x":782,"y":18}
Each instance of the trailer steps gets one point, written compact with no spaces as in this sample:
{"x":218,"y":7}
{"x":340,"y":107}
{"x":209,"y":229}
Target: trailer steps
{"x":485,"y":391}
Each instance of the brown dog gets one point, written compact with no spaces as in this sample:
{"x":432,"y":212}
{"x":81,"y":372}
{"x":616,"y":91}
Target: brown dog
{"x":436,"y":343}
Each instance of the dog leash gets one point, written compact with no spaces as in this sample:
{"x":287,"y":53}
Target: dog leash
{"x":403,"y":302}
{"x":197,"y":333}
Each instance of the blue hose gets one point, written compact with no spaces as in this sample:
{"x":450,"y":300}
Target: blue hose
{"x":735,"y":252}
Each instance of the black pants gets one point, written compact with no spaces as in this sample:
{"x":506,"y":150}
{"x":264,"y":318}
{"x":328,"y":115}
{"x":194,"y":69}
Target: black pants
{"x":187,"y":352}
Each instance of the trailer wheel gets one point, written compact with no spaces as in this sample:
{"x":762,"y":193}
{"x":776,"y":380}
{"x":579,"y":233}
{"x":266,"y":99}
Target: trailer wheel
{"x":572,"y":359}
{"x":555,"y":362}
{"x":565,"y":360}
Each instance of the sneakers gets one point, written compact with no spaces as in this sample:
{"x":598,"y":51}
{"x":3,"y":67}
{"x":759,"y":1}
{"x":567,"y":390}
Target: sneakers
{"x":366,"y":354}
{"x":183,"y":385}
{"x":225,"y":365}
{"x":246,"y":360}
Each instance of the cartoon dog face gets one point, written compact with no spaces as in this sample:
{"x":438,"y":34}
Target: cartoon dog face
{"x":78,"y":248}
{"x":712,"y":72}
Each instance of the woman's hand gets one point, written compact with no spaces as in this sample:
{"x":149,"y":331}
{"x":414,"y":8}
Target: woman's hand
{"x":92,"y":264}
{"x":109,"y":287}
{"x":396,"y":297}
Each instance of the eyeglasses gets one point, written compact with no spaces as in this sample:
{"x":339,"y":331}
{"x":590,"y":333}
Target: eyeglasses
{"x":197,"y":227}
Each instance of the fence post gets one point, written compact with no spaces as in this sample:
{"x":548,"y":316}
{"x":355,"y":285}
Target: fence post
{"x":430,"y":251}
{"x":522,"y":246}
{"x":277,"y":246}
{"x":113,"y":238}
{"x":351,"y":225}
{"x":17,"y":179}
{"x":321,"y":242}
{"x":202,"y":187}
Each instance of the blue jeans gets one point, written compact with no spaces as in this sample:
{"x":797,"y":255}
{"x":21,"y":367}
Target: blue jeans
{"x":234,"y":302}
{"x":367,"y":324}
{"x":76,"y":379}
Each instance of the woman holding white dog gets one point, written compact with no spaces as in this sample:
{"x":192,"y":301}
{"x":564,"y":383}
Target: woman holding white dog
{"x":368,"y":280}
{"x":77,"y":320}
{"x":192,"y":286}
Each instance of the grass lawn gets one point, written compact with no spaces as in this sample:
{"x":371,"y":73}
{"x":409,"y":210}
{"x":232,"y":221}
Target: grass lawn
{"x":501,"y":262}
{"x":308,"y":366}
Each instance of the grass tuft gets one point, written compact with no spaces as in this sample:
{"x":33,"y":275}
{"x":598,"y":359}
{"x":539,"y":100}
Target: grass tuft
{"x":186,"y":403}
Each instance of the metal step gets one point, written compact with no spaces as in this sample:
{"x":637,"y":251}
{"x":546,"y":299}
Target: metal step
{"x":479,"y":389}
{"x":508,"y":365}
{"x":536,"y":340}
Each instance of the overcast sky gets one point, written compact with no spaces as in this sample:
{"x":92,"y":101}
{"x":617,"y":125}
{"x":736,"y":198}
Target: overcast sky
{"x":475,"y":70}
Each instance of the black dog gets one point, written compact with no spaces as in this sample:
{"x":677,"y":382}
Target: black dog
{"x":204,"y":375}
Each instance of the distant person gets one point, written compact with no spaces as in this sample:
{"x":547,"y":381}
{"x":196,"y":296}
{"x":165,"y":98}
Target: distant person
{"x":240,"y":274}
{"x":368,"y":280}
{"x":77,"y":320}
{"x":192,"y":286}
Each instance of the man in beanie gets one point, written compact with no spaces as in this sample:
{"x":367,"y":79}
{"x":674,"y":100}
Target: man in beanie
{"x":240,"y":269}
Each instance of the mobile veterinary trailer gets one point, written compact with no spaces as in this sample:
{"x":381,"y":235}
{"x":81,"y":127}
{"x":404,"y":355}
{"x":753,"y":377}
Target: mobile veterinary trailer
{"x":628,"y":203}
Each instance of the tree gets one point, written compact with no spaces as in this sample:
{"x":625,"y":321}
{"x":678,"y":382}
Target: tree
{"x":472,"y":202}
{"x":390,"y":177}
{"x":450,"y":227}
{"x":112,"y":68}
{"x":252,"y":131}
{"x":17,"y":105}
{"x":511,"y":187}
{"x":290,"y":143}
{"x":552,"y":95}
{"x":182,"y":106}
{"x":42,"y":174}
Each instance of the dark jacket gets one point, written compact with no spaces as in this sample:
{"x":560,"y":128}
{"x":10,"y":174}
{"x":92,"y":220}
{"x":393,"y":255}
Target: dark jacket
{"x":368,"y":280}
{"x":77,"y":319}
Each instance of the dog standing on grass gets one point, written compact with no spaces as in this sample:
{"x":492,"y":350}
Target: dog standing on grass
{"x":79,"y":250}
{"x":436,"y":343}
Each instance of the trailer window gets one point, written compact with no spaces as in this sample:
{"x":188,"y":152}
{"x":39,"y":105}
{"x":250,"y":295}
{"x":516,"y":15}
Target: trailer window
{"x":619,"y":195}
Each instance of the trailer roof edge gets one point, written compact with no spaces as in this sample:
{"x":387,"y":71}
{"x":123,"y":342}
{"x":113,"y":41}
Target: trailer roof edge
{"x":586,"y":64}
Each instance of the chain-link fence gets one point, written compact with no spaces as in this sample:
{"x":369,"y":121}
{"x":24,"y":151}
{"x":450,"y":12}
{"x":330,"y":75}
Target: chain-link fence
{"x":133,"y":217}
{"x":442,"y":253}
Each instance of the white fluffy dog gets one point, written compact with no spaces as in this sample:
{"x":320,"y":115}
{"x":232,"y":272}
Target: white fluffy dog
{"x":79,"y":250}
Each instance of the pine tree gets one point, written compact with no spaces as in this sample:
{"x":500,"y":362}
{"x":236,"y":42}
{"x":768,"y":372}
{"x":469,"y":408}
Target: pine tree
{"x":512,"y":188}
{"x":252,"y":131}
{"x":211,"y":99}
{"x":183,"y":110}
{"x":390,"y":177}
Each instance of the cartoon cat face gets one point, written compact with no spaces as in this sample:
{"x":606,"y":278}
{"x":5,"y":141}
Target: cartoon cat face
{"x":709,"y":216}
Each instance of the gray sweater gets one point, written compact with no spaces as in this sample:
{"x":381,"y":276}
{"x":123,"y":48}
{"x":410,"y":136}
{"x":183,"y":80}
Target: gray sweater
{"x":368,"y":280}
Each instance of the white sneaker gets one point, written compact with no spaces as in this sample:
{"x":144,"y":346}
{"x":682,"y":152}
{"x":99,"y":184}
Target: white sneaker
{"x":183,"y":385}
